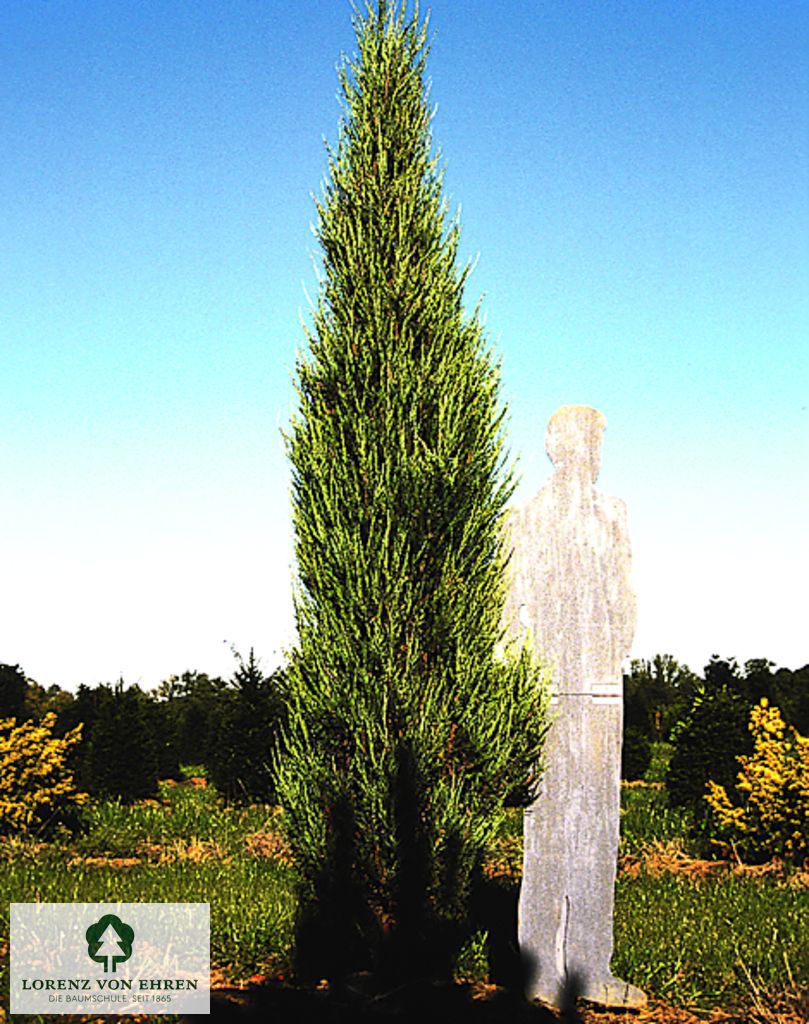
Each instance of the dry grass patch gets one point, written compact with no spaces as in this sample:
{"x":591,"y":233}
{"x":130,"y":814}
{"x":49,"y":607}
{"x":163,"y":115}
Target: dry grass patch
{"x":668,"y":857}
{"x":271,"y":844}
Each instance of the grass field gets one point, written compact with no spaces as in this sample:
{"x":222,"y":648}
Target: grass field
{"x":698,"y":941}
{"x":698,"y":933}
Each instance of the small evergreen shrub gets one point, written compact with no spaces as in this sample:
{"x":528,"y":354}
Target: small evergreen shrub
{"x":706,"y":743}
{"x":13,"y":687}
{"x":239,"y":761}
{"x":636,"y":754}
{"x":772,"y":817}
{"x":127,"y":743}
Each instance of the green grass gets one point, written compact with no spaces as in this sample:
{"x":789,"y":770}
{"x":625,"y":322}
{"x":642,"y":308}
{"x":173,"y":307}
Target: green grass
{"x":700,"y":945}
{"x":646,"y":818}
{"x":252,"y":902}
{"x":252,"y":898}
{"x":183,"y":812}
{"x":708,"y":944}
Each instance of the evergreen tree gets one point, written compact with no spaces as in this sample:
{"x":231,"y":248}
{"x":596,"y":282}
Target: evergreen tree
{"x":125,"y":746}
{"x":13,"y":687}
{"x":193,"y":707}
{"x":406,"y":730}
{"x":790,"y":692}
{"x":39,"y":701}
{"x":240,"y":762}
{"x":707,"y":742}
{"x":636,"y":753}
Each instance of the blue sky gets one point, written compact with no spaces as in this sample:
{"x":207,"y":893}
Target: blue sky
{"x":633,"y":179}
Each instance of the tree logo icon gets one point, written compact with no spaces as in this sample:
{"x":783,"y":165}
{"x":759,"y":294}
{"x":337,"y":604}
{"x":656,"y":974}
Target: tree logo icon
{"x":109,"y":941}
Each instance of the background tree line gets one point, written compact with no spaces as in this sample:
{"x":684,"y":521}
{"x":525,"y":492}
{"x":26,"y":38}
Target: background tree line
{"x":702,"y":721}
{"x":131,"y":738}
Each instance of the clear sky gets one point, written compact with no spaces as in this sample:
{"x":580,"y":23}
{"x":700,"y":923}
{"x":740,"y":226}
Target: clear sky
{"x":633,"y":179}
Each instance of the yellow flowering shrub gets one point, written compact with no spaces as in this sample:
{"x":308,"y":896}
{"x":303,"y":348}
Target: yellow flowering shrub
{"x":772,"y":818}
{"x":35,"y":784}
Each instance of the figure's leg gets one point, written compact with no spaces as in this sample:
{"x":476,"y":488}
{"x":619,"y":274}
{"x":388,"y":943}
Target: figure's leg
{"x":590,"y":932}
{"x":570,"y":860}
{"x":542,"y":914}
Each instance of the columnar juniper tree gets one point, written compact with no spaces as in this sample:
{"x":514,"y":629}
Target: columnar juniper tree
{"x":407,"y":731}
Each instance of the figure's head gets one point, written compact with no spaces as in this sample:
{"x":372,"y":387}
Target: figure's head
{"x":573,"y":439}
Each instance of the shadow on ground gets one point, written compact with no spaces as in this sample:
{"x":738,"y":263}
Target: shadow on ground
{"x":286,"y":1004}
{"x":358,"y":1000}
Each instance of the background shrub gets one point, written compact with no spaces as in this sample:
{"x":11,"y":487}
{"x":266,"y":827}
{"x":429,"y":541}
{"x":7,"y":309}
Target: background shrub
{"x":706,"y":744}
{"x":192,"y":707}
{"x":636,"y":754}
{"x":772,"y":818}
{"x":36,"y":786}
{"x":13,"y":688}
{"x":127,"y":742}
{"x":657,"y":694}
{"x":239,"y":759}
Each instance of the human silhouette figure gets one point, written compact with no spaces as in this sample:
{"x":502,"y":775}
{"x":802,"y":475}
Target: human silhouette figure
{"x":570,"y":593}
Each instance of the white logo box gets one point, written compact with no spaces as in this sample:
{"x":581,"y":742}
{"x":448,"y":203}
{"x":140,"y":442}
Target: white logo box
{"x":121,"y":958}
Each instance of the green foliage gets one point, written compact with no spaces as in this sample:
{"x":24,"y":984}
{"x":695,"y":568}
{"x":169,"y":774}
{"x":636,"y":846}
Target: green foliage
{"x":656,"y":694}
{"x":772,"y":817}
{"x":405,"y":732}
{"x":230,"y":726}
{"x":756,"y":681}
{"x":636,"y":753}
{"x":706,"y":742}
{"x":13,"y":686}
{"x":240,"y":759}
{"x":127,"y":744}
{"x":648,"y":819}
{"x":192,"y":707}
{"x":39,"y":701}
{"x":787,"y":690}
{"x":659,"y":762}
